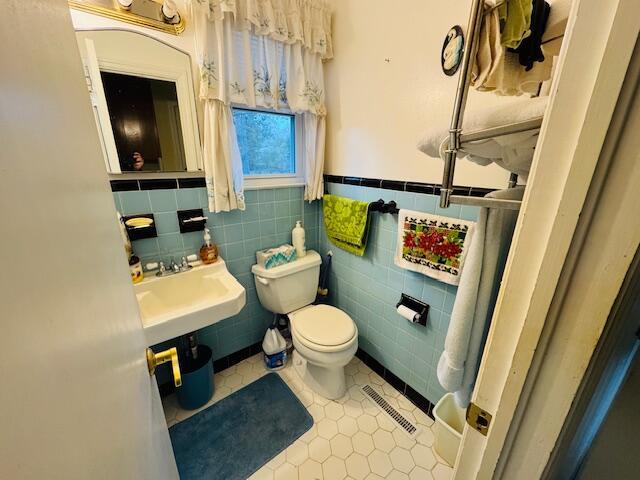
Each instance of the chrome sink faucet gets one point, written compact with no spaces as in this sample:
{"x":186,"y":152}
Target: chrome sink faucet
{"x":174,"y":267}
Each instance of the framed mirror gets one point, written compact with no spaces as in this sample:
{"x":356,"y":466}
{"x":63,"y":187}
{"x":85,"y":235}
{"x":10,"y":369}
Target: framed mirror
{"x":143,"y":100}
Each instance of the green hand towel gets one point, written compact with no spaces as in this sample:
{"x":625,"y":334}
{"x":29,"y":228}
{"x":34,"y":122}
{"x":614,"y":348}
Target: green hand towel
{"x":346,"y":222}
{"x":515,"y":22}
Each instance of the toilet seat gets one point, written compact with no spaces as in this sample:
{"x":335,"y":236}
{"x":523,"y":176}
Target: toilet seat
{"x":323,"y":328}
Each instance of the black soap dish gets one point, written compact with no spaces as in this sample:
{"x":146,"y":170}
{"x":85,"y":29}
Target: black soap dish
{"x":142,"y":225}
{"x":191,"y":220}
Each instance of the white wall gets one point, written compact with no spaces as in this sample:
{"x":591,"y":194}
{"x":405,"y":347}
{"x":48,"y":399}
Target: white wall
{"x":378,"y":110}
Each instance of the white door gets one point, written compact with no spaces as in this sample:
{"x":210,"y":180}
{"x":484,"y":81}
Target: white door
{"x":583,"y":100}
{"x":76,"y":400}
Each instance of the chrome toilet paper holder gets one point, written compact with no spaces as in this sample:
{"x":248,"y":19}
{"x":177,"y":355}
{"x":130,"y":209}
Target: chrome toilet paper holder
{"x":421,"y":308}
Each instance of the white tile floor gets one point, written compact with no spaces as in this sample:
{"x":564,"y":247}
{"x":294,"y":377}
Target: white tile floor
{"x":350,"y":438}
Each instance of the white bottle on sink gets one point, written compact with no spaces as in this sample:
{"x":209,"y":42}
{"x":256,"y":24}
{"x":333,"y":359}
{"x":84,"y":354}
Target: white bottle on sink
{"x":298,"y":240}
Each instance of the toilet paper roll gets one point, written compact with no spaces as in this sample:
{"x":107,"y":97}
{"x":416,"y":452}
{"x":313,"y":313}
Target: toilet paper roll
{"x":407,"y":313}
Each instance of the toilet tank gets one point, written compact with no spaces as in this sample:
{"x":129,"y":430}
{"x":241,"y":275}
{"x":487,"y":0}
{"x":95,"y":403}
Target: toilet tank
{"x":288,"y":287}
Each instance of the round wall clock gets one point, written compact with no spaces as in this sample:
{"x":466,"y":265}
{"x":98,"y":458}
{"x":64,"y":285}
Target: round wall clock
{"x":452,"y":49}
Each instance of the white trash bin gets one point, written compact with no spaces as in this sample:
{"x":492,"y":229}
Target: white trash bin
{"x":448,"y":428}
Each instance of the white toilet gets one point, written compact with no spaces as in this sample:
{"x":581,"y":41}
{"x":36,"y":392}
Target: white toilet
{"x":325,"y":338}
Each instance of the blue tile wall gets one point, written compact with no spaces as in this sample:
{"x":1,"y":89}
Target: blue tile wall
{"x":269,"y":217}
{"x":369,"y":287}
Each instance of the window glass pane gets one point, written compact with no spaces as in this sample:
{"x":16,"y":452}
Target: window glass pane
{"x":266,"y":141}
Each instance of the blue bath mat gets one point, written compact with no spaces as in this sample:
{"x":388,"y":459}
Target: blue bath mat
{"x":237,"y":435}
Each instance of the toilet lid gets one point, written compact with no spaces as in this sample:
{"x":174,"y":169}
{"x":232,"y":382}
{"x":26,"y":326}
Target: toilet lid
{"x":324,"y":325}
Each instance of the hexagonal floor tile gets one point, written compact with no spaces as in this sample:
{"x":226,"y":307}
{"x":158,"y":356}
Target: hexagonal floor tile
{"x":297,"y":453}
{"x":397,"y":475}
{"x":362,"y":443}
{"x":243,"y":368}
{"x":347,"y":426}
{"x":341,"y":446}
{"x":228,"y":371}
{"x":334,"y":411}
{"x":426,"y":437}
{"x":373,"y":476}
{"x":367,"y":423}
{"x":286,"y":472}
{"x":278,"y":460}
{"x":310,"y":470}
{"x":423,"y":457}
{"x":383,"y":441}
{"x":320,"y":400}
{"x":334,"y":468}
{"x":327,"y":428}
{"x":233,"y":381}
{"x":357,"y":466}
{"x":361,"y":378}
{"x":351,"y":368}
{"x":420,"y":473}
{"x":351,"y":438}
{"x":319,"y":449}
{"x":380,"y":463}
{"x":402,"y":439}
{"x":306,"y":398}
{"x":390,"y":391}
{"x":353,"y":408}
{"x":316,"y":411}
{"x":385,"y":422}
{"x":309,"y":434}
{"x":423,"y":418}
{"x":265,"y":473}
{"x":441,"y":472}
{"x":356,"y":393}
{"x":376,"y":379}
{"x":402,"y":460}
{"x":364,"y":368}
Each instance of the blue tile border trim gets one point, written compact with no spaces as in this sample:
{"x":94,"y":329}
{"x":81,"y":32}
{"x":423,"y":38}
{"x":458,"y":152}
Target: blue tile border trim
{"x":415,"y":187}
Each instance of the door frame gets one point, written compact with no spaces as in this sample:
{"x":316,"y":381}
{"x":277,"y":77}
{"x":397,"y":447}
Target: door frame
{"x":607,"y":373}
{"x":547,"y":243}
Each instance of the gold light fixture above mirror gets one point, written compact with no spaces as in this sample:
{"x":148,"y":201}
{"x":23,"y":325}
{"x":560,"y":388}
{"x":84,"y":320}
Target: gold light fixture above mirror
{"x":144,"y":13}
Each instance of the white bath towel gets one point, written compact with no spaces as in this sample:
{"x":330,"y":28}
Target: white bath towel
{"x":475,"y":298}
{"x":512,"y":152}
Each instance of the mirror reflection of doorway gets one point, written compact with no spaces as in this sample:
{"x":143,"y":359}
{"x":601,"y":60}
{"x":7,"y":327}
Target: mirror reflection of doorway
{"x":145,"y":119}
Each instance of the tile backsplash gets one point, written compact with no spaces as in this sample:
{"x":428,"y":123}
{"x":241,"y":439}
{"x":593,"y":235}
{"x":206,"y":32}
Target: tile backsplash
{"x":269,"y":217}
{"x":369,"y":287}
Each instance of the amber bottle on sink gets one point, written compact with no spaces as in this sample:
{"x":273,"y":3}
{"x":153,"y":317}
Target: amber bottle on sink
{"x":208,"y":251}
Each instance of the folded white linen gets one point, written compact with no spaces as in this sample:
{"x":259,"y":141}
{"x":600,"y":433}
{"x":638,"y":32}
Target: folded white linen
{"x":513,"y":152}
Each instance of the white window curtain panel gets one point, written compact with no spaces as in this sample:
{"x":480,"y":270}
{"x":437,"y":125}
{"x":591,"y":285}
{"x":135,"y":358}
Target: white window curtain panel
{"x":260,"y":53}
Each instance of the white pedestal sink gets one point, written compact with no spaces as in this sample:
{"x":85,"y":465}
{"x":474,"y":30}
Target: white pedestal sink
{"x":181,"y":303}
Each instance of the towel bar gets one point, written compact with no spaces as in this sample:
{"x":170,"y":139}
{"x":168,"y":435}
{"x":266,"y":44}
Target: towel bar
{"x":382,"y":207}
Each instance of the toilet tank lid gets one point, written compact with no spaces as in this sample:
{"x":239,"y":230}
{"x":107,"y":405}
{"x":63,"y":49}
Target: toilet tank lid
{"x":310,"y":260}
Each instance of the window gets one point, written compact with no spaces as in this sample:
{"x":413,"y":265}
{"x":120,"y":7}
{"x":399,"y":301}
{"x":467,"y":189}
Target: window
{"x":267,"y":142}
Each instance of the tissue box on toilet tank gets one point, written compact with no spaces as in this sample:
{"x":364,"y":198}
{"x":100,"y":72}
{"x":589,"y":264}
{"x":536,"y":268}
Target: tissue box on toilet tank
{"x":272,"y":257}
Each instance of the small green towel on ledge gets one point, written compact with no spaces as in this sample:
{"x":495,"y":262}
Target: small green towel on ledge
{"x":346,"y":222}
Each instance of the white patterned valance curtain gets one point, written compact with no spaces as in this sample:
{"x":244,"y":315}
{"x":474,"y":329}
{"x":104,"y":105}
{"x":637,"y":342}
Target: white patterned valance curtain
{"x":261,"y":53}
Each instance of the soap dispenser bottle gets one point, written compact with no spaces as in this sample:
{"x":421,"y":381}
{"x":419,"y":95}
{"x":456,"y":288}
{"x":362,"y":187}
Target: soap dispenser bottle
{"x":298,"y":240}
{"x":208,"y":251}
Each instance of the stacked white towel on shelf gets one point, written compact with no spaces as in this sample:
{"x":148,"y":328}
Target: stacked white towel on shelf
{"x":475,"y":299}
{"x":513,"y":152}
